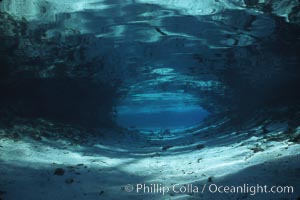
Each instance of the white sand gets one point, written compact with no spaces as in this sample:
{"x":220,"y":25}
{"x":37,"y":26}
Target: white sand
{"x":27,"y":166}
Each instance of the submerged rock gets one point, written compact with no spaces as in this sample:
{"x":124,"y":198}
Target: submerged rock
{"x":257,"y":149}
{"x":200,"y":146}
{"x":59,"y":171}
{"x":166,"y":147}
{"x":210,"y":179}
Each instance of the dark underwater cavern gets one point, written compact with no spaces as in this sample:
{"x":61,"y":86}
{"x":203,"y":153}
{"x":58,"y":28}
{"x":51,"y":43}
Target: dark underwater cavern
{"x":149,"y":99}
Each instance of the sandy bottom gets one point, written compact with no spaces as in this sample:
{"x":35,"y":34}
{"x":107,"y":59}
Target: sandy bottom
{"x":171,"y":167}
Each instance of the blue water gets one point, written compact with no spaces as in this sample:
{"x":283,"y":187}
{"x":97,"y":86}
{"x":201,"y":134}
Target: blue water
{"x":175,"y":118}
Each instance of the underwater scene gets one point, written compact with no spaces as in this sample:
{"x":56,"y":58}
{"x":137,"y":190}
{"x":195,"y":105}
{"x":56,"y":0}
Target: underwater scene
{"x":149,"y":99}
